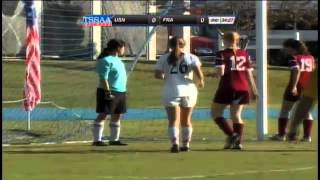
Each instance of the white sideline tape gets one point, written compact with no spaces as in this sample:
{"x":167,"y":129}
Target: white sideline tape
{"x":14,"y":101}
{"x":213,"y":175}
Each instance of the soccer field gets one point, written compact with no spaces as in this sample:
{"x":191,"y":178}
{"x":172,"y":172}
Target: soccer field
{"x":150,"y":159}
{"x":72,"y":85}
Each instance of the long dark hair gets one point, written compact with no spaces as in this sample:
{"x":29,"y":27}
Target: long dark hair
{"x":174,"y":44}
{"x":299,"y":46}
{"x":112,"y":46}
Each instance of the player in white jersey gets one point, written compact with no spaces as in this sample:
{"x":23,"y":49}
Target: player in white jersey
{"x":180,"y":93}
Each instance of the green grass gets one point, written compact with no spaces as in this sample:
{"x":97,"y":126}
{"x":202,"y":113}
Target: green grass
{"x":82,"y":162}
{"x":149,"y":157}
{"x":132,"y":130}
{"x":73,"y":84}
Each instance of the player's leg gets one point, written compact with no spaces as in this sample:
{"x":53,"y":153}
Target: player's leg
{"x":186,"y":127}
{"x":115,"y":129}
{"x":307,"y":128}
{"x":283,"y":120}
{"x":173,"y":113}
{"x":97,"y":129}
{"x":102,"y":108}
{"x":217,"y":116}
{"x":119,"y":107}
{"x":238,"y":124}
{"x":304,"y":107}
{"x":186,"y":108}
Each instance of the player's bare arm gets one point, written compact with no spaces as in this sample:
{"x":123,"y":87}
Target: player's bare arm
{"x":105,"y":85}
{"x":219,"y":71}
{"x":294,"y":78}
{"x":200,"y":76}
{"x":252,"y":84}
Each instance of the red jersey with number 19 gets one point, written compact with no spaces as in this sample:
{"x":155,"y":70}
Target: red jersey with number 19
{"x":236,"y":64}
{"x":306,"y":64}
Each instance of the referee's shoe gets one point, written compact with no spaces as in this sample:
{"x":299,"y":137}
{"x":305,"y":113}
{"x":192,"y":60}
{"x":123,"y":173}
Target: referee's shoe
{"x":99,"y":143}
{"x":117,"y":143}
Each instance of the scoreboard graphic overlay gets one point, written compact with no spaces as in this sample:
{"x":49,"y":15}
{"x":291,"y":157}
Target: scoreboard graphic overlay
{"x":150,"y":20}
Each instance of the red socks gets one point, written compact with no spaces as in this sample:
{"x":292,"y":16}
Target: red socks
{"x":224,"y":126}
{"x":238,"y":128}
{"x":282,"y":126}
{"x":307,"y":126}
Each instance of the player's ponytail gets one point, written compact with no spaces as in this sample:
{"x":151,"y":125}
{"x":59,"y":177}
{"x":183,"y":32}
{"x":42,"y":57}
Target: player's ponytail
{"x":112,"y":46}
{"x":298,"y":46}
{"x":175,"y":44}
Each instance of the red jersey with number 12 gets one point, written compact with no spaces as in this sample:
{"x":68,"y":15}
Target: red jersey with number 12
{"x":236,"y":64}
{"x":306,"y":64}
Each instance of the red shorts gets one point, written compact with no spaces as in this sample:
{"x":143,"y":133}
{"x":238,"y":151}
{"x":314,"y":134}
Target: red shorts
{"x":224,"y":96}
{"x":288,"y":96}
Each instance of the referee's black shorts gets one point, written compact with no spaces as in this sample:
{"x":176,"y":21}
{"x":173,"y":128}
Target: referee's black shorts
{"x":118,"y":105}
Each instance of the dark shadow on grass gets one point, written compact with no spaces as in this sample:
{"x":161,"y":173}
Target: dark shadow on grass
{"x":258,"y":150}
{"x":35,"y":134}
{"x":104,"y":151}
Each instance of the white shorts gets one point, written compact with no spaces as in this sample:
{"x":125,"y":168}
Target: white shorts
{"x":186,"y":101}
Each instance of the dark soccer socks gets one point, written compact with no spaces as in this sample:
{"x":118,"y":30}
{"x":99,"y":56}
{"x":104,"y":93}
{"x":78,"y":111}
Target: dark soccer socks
{"x":238,"y":129}
{"x":282,"y":126}
{"x":224,"y":126}
{"x":307,"y":127}
{"x":234,"y":134}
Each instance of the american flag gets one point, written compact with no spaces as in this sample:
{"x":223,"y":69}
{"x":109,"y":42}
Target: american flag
{"x":32,"y":89}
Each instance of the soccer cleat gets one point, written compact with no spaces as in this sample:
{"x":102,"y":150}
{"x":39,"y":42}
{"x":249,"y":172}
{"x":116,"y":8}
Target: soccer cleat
{"x":237,"y":144}
{"x":306,"y":139}
{"x":185,"y":149}
{"x":228,"y":144}
{"x":117,"y":143}
{"x":99,"y":143}
{"x":292,"y":138}
{"x":174,"y":148}
{"x":237,"y":147}
{"x":277,"y":137}
{"x":230,"y":141}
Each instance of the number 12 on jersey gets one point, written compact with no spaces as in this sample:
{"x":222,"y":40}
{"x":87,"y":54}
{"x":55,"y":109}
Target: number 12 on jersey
{"x":238,"y":63}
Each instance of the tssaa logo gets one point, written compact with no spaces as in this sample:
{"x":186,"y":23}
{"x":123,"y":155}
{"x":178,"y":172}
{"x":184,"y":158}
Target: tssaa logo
{"x":97,"y":20}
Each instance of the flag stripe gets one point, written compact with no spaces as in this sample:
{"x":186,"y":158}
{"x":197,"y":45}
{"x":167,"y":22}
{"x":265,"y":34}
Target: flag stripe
{"x":32,"y":90}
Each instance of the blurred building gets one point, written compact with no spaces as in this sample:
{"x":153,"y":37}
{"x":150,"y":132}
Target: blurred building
{"x":62,"y":35}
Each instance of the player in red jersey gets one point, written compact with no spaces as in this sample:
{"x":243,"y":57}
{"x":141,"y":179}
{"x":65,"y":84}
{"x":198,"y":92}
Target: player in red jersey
{"x":302,"y":64}
{"x":235,"y":86}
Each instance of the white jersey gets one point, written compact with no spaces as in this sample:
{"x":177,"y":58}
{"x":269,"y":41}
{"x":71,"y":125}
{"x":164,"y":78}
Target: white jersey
{"x":178,"y":78}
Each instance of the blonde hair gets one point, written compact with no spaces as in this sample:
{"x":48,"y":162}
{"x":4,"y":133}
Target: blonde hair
{"x":233,"y":39}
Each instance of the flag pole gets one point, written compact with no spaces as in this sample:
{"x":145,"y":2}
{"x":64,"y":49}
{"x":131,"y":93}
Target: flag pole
{"x":29,"y":121}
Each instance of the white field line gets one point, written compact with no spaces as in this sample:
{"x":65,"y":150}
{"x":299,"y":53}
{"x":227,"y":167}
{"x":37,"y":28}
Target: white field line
{"x":47,"y":143}
{"x":213,"y":175}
